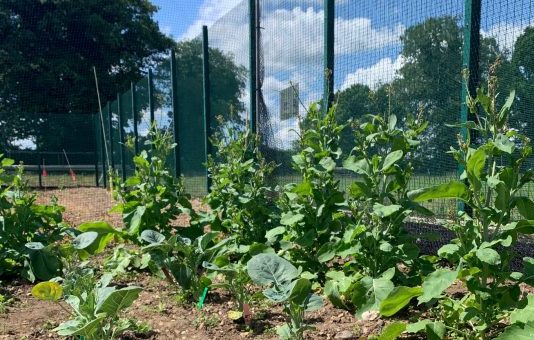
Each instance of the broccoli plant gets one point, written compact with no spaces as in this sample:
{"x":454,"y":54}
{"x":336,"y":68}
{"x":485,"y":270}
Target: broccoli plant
{"x":152,"y":198}
{"x":180,"y":259}
{"x":311,"y":220}
{"x":286,"y":287}
{"x":96,"y":306}
{"x":239,"y":198}
{"x":28,"y":231}
{"x":491,"y":186}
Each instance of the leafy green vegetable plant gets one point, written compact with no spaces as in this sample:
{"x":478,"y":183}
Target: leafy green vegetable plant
{"x":311,"y":220}
{"x":181,"y":259}
{"x":375,"y":242}
{"x":152,"y":198}
{"x":494,"y":175}
{"x":236,"y":282}
{"x":286,"y":287}
{"x":239,"y":198}
{"x":96,"y":309}
{"x":27,"y":230}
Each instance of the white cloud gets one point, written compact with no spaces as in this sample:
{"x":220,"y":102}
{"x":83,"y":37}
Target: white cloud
{"x":380,"y":73}
{"x":209,"y":12}
{"x":505,"y":33}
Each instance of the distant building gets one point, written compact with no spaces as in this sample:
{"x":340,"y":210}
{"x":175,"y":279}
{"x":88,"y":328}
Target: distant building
{"x":289,"y":102}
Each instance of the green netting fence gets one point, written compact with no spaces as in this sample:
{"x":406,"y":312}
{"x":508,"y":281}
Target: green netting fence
{"x":268,"y":61}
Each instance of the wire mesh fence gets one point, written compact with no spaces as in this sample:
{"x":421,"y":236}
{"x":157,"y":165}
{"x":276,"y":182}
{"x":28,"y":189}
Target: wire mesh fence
{"x":402,"y":57}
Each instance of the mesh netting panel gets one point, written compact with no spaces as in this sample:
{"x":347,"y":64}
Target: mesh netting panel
{"x":507,"y":29}
{"x":163,"y":113}
{"x":403,"y":57}
{"x":128,"y":131}
{"x":292,"y":47}
{"x":191,"y":137}
{"x":143,"y":115}
{"x":116,"y":141}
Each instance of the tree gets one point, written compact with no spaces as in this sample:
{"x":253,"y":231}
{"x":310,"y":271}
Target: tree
{"x":48,"y":49}
{"x":522,"y":65}
{"x":429,"y":82}
{"x":352,"y":103}
{"x":227,"y":86}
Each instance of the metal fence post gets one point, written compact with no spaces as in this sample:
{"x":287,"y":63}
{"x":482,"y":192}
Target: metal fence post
{"x":175,"y":115}
{"x":253,"y":65}
{"x":134,"y":114}
{"x":121,"y":136}
{"x":329,"y":37}
{"x":471,"y":60}
{"x":110,"y":117}
{"x":103,"y":151}
{"x":207,"y":99}
{"x":151,"y":97}
{"x":40,"y":170}
{"x":95,"y":122}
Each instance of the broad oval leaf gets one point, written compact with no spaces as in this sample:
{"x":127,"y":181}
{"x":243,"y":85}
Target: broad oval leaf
{"x":48,"y":291}
{"x":35,"y":245}
{"x":398,"y":299}
{"x":453,"y":189}
{"x":391,"y":159}
{"x":113,"y":301}
{"x":84,"y":240}
{"x":518,"y":331}
{"x":436,"y":283}
{"x":265,"y":269}
{"x":152,"y":237}
{"x":489,"y":256}
{"x":392,"y":331}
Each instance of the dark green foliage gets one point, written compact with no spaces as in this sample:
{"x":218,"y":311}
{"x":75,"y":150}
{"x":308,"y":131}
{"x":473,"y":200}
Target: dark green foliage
{"x":180,"y":259}
{"x":49,"y":50}
{"x":483,"y":248}
{"x":152,"y":198}
{"x":383,"y":160}
{"x":286,"y":286}
{"x":27,"y":230}
{"x":311,"y":220}
{"x":239,"y":198}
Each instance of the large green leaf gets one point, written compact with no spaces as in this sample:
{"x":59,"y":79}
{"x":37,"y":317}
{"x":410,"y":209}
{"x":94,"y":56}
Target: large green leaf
{"x":436,"y":283}
{"x":44,"y":264}
{"x":518,"y":331}
{"x":475,"y":167}
{"x":48,"y":291}
{"x":80,"y":326}
{"x":84,"y":240}
{"x":266,"y":269}
{"x":453,"y":189}
{"x":359,"y":166}
{"x":489,"y":256}
{"x":392,"y":331}
{"x":291,"y":218}
{"x":152,"y":237}
{"x":392,"y":158}
{"x":105,"y":235}
{"x":112,"y":302}
{"x":504,"y":143}
{"x":525,"y":314}
{"x":326,"y":252}
{"x":300,"y":292}
{"x":525,"y":206}
{"x":385,"y":210}
{"x":398,"y":299}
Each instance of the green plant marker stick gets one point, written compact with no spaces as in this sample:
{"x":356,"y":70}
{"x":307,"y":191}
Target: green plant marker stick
{"x":202,"y":298}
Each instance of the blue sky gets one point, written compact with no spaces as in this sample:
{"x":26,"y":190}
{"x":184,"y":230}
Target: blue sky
{"x":177,"y":15}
